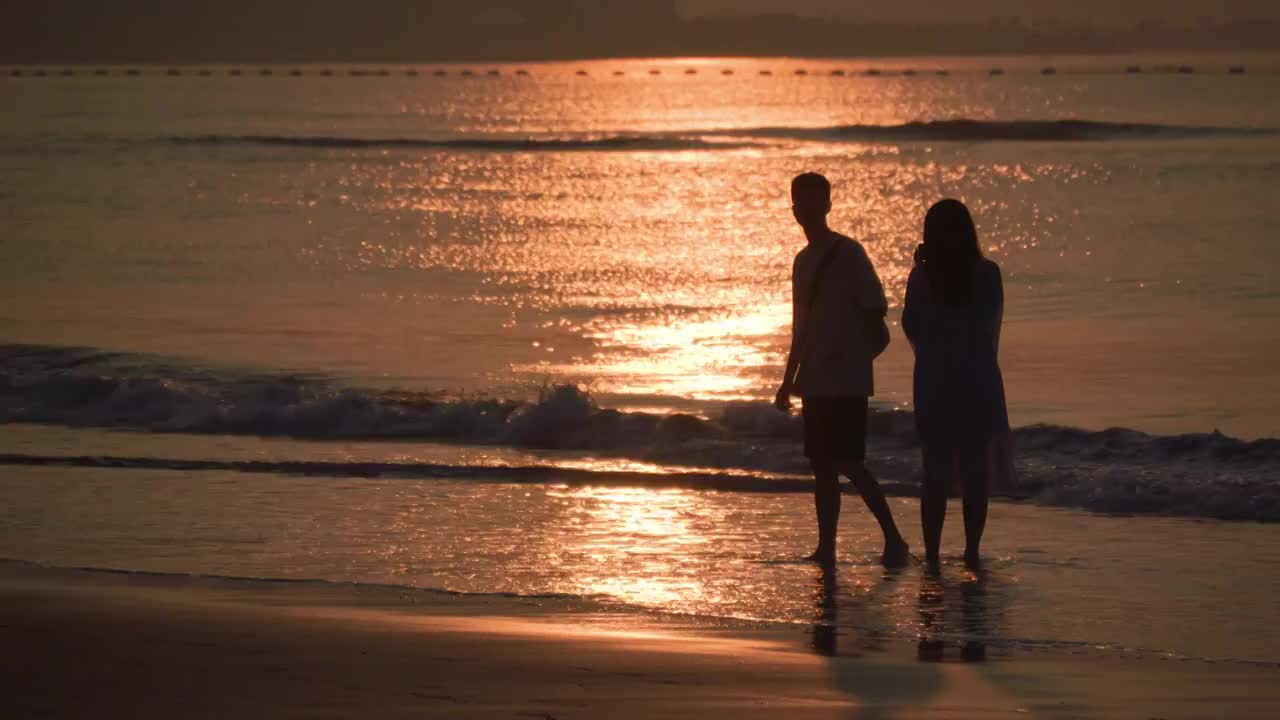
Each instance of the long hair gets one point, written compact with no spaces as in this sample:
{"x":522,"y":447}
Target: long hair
{"x":950,"y":251}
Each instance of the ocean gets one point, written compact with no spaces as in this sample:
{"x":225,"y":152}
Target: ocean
{"x":515,"y":329}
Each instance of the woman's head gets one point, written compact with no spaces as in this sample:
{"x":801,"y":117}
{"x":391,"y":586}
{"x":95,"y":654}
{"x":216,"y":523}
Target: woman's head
{"x":951,"y":250}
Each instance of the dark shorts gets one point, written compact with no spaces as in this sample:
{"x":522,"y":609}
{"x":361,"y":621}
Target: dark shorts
{"x":835,"y":427}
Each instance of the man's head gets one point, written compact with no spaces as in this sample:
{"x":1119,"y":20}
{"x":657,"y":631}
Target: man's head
{"x":811,"y":200}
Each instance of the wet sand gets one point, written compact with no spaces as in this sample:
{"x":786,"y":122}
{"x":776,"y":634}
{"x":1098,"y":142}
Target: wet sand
{"x":95,"y":644}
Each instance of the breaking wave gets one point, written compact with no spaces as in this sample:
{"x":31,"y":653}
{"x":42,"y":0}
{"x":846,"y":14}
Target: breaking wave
{"x":956,"y":130}
{"x":564,"y":144}
{"x":743,"y":446}
{"x":1069,"y":130}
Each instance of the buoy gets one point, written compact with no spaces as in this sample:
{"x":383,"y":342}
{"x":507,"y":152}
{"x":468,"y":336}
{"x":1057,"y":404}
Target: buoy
{"x":326,"y":72}
{"x":441,"y":73}
{"x":908,"y":73}
{"x":802,"y":71}
{"x":495,"y":73}
{"x":691,"y":71}
{"x":67,"y":73}
{"x":766,"y":72}
{"x":942,"y":73}
{"x":101,"y":72}
{"x":726,"y":71}
{"x":996,"y":72}
{"x":1049,"y":71}
{"x":837,"y":73}
{"x":872,"y":72}
{"x":1236,"y":70}
{"x":130,"y":71}
{"x":581,"y":73}
{"x":264,"y":72}
{"x":295,"y":73}
{"x":173,"y":72}
{"x":236,"y":73}
{"x":522,"y":71}
{"x":1185,"y":69}
{"x":382,"y":73}
{"x":655,"y":71}
{"x":1133,"y":69}
{"x":467,"y":73}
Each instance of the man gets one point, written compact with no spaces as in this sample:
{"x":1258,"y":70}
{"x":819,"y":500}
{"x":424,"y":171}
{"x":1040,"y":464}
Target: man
{"x":838,"y":308}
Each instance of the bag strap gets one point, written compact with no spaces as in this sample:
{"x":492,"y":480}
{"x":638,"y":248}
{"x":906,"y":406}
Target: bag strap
{"x":820,"y":274}
{"x":814,"y":286}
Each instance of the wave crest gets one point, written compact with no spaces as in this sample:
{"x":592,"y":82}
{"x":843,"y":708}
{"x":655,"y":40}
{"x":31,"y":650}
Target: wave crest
{"x":616,"y":143}
{"x":954,"y":130}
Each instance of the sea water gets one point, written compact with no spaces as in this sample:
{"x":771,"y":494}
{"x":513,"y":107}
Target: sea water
{"x":581,"y":282}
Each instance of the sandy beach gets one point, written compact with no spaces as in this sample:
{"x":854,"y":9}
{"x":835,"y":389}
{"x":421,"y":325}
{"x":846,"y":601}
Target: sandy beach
{"x":97,"y":644}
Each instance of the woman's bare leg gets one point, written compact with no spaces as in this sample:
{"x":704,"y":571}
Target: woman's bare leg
{"x":939,"y":466}
{"x":973,"y":473}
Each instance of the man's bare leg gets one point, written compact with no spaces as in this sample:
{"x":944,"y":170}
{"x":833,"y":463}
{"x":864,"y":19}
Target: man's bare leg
{"x":896,"y":550}
{"x":826,"y":502}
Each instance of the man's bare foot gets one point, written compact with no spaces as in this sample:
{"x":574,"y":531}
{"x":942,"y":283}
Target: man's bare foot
{"x":896,"y":554}
{"x":823,"y":556}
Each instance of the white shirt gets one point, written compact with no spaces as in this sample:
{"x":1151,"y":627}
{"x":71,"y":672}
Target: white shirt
{"x":835,"y":360}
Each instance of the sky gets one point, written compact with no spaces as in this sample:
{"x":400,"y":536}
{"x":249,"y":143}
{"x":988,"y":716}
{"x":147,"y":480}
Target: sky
{"x":1102,"y":12}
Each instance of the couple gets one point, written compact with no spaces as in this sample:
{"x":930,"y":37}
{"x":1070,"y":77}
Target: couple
{"x":952,"y":318}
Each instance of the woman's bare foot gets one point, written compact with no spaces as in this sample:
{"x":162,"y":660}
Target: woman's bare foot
{"x":972,"y":560}
{"x":933,"y":563}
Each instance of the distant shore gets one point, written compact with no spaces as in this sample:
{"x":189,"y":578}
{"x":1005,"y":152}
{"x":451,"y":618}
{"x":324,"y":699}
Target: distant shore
{"x":889,"y":59}
{"x":95,"y":644}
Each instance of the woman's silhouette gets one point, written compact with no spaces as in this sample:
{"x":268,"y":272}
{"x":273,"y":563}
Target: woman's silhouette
{"x":952,"y":316}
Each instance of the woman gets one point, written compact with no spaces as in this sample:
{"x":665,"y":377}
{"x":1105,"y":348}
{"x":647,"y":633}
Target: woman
{"x":952,"y":316}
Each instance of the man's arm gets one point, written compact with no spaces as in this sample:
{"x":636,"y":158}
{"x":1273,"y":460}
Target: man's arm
{"x":870,"y":301}
{"x":783,"y":399}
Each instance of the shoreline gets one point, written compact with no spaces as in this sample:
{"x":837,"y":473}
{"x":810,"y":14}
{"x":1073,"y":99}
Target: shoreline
{"x":100,"y":643}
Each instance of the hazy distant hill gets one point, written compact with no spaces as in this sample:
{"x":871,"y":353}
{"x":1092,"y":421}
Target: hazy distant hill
{"x":164,"y":31}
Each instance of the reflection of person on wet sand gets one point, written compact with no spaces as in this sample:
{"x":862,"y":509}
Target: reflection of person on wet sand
{"x":860,"y":616}
{"x":828,"y":614}
{"x":838,"y":309}
{"x":973,"y":625}
{"x":881,"y":689}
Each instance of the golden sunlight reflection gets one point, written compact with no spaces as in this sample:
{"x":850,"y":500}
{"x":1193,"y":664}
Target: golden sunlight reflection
{"x":635,"y":542}
{"x":711,"y":358}
{"x":660,"y":275}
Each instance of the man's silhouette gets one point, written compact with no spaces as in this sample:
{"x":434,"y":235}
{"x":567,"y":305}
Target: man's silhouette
{"x":838,"y":309}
